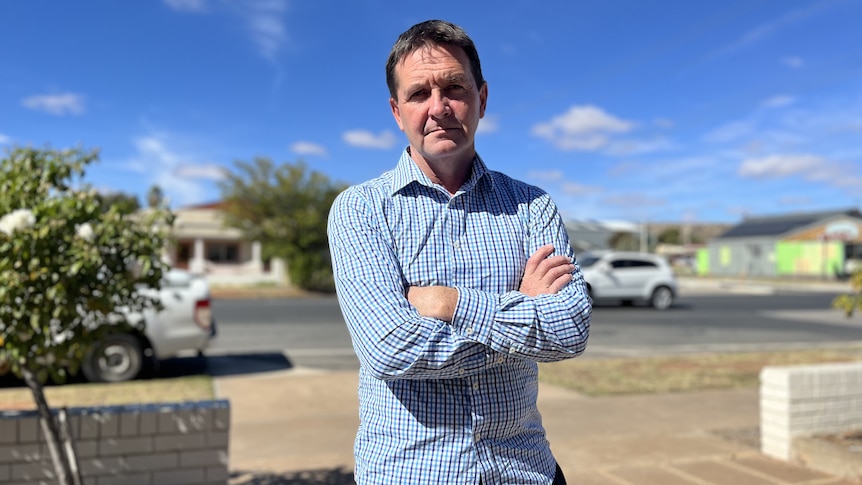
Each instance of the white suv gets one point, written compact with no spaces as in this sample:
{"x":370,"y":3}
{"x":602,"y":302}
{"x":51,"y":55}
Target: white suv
{"x":629,"y":276}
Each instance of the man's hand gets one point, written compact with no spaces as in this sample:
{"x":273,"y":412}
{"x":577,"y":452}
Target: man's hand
{"x":434,"y":301}
{"x":544,"y":275}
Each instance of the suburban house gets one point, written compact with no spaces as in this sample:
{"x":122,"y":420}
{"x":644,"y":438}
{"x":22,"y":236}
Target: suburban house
{"x":825,"y":245}
{"x":203,"y":245}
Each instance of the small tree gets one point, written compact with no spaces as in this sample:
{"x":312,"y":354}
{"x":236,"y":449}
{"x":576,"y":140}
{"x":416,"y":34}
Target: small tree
{"x":67,"y":267}
{"x":852,"y":302}
{"x":624,"y":241}
{"x":286,"y":208}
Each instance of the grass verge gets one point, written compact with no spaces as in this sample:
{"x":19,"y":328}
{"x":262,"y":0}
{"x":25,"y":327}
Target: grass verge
{"x":193,"y":388}
{"x":680,"y":373}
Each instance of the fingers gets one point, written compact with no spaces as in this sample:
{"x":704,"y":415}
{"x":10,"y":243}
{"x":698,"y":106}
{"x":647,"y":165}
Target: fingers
{"x":538,"y":258}
{"x":546,"y":274}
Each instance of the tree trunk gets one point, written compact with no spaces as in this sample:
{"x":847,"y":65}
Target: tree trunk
{"x":51,"y":431}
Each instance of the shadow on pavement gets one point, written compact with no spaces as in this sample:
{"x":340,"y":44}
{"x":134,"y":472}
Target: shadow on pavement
{"x":213,"y":365}
{"x":223,"y":365}
{"x":329,"y":476}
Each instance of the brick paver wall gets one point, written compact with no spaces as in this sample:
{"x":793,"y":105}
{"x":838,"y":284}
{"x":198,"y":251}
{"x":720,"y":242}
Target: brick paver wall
{"x":152,"y":444}
{"x":807,"y":400}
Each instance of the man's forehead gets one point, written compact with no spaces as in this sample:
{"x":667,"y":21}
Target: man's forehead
{"x":429,"y":55}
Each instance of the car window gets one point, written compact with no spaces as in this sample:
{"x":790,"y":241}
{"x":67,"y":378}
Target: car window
{"x":587,"y":261}
{"x":631,"y":264}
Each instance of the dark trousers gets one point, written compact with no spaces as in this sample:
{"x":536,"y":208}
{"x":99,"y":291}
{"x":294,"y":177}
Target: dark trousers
{"x":559,"y":479}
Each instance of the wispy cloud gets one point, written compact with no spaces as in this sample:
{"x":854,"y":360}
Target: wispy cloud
{"x":263,"y":19}
{"x":731,"y":131}
{"x":582,"y":128}
{"x":777,"y":166}
{"x":574,"y":188}
{"x":174,"y":170}
{"x":308,"y":148}
{"x":5,"y":139}
{"x":366,"y":139}
{"x":771,"y":27}
{"x":546,"y":175}
{"x":488,"y":125}
{"x":812,"y":168}
{"x":187,"y":5}
{"x":792,"y":62}
{"x":778,"y":101}
{"x":203,"y":172}
{"x":56,"y":104}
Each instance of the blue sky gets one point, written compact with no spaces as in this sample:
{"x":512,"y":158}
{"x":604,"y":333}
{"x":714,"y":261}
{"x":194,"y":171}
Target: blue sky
{"x":664,"y":110}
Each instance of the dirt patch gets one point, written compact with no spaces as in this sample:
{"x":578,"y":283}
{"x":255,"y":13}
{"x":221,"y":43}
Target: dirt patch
{"x":194,"y":388}
{"x":681,"y":373}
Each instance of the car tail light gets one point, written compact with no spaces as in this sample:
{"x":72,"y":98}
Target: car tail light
{"x":203,"y":314}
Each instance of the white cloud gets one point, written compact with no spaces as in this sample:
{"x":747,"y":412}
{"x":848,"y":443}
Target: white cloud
{"x":638,"y":147}
{"x":793,"y":62}
{"x":546,"y":175}
{"x":778,"y":101}
{"x":731,"y":131}
{"x":187,"y":5}
{"x":205,"y":172}
{"x":574,"y":188}
{"x":365,"y":139}
{"x":487,"y":125}
{"x":182,"y":180}
{"x":5,"y":139}
{"x":663,"y":123}
{"x":56,"y":104}
{"x":264,"y":20}
{"x":634,"y":200}
{"x":584,"y":128}
{"x":778,"y":166}
{"x":308,"y":148}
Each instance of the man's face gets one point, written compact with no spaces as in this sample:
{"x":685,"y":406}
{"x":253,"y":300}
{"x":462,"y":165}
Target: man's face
{"x":439,"y":104}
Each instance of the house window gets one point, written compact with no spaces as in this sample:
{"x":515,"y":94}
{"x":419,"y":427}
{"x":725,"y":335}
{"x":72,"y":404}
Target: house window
{"x":223,"y":252}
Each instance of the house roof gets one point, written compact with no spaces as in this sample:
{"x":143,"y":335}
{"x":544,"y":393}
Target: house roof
{"x":783,"y":224}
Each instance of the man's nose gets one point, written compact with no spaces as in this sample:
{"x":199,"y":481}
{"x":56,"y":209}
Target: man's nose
{"x":439,"y":105}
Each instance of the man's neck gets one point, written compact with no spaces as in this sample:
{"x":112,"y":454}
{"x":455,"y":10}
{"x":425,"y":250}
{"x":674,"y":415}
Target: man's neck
{"x":451,"y":174}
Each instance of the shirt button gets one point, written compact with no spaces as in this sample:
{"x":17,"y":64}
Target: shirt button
{"x":456,"y":245}
{"x":461,"y":371}
{"x":478,"y":436}
{"x":511,"y":350}
{"x":469,"y":331}
{"x":500,"y":359}
{"x":476,"y":386}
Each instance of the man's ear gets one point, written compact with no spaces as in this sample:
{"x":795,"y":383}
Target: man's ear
{"x":483,"y":99}
{"x":393,"y":104}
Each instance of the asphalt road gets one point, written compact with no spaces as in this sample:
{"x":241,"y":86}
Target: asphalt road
{"x":311,"y":332}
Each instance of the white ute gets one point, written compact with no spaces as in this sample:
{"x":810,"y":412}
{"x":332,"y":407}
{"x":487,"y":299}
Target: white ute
{"x":185,"y":324}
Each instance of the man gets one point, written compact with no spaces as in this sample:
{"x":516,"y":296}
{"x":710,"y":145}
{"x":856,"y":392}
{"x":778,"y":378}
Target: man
{"x":454,"y":282}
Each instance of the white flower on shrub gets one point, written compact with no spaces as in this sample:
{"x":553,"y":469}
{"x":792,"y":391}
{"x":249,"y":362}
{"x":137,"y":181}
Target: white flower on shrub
{"x":16,"y":220}
{"x":85,"y":231}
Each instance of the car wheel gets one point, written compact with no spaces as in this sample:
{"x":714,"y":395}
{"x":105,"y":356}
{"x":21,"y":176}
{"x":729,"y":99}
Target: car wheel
{"x":115,"y":358}
{"x":662,"y":298}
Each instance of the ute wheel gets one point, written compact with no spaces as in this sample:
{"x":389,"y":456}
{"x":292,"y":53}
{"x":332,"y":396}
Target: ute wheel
{"x":662,"y":298}
{"x":115,"y":358}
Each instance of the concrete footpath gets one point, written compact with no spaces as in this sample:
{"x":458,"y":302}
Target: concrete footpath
{"x":296,"y":427}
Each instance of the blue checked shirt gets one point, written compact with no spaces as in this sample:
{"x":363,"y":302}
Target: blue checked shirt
{"x":446,"y":403}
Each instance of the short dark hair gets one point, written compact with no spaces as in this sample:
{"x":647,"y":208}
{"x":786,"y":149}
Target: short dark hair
{"x":434,"y":32}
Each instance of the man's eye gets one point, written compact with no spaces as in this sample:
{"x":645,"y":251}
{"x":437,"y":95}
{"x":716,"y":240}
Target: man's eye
{"x":416,"y":95}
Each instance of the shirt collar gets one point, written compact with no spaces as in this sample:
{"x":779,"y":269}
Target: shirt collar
{"x":407,"y":172}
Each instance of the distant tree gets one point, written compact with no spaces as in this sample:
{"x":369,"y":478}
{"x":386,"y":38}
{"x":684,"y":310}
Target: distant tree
{"x":155,"y":197}
{"x":624,"y":241}
{"x":670,"y":235}
{"x":125,"y":203}
{"x":66,"y":266}
{"x":286,"y":208}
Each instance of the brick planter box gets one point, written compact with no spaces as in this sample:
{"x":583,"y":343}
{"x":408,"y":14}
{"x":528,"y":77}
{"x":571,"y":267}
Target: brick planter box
{"x":798,"y":403}
{"x":149,"y":444}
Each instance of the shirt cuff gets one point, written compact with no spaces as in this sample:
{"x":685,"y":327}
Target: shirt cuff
{"x":474,"y":314}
